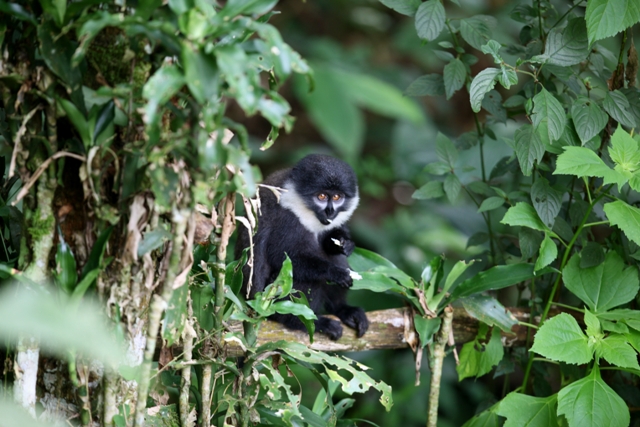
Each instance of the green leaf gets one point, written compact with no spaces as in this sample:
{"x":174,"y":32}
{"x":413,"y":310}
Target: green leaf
{"x":507,"y":77}
{"x":528,"y":147}
{"x":582,"y":161}
{"x":452,"y":187}
{"x":378,"y":96}
{"x":332,"y":111}
{"x":153,"y":240}
{"x":159,"y":89}
{"x":430,"y":19}
{"x":522,"y":410}
{"x":624,"y":151}
{"x":57,"y":53}
{"x":65,"y":273}
{"x":363,"y":260}
{"x":430,"y":190}
{"x":590,"y":402}
{"x":618,"y":107}
{"x":547,"y":201}
{"x":405,"y":7}
{"x":478,"y":357}
{"x":97,"y":251}
{"x":493,"y":48}
{"x":591,"y":255}
{"x":524,"y":215}
{"x":548,"y":253}
{"x":455,"y":74}
{"x":446,"y":151}
{"x":566,"y":46}
{"x":491,"y":203}
{"x":497,"y":277}
{"x":426,"y":328}
{"x":201,"y":73}
{"x":437,"y":168}
{"x":78,"y":120}
{"x":477,"y":30}
{"x":616,"y":350}
{"x":604,"y":286}
{"x":488,"y":310}
{"x":560,"y":338}
{"x":480,"y":85}
{"x":625,"y":217}
{"x":427,"y":85}
{"x":492,"y":102}
{"x":529,"y":241}
{"x":547,"y":109}
{"x":456,"y":271}
{"x":588,"y":118}
{"x":606,"y":18}
{"x":203,"y":307}
{"x":242,"y":80}
{"x":85,"y":284}
{"x":487,"y":418}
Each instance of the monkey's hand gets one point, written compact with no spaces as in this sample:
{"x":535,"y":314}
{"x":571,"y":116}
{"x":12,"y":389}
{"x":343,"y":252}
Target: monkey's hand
{"x":332,"y":328}
{"x":341,"y":277}
{"x":354,"y":317}
{"x":338,"y":242}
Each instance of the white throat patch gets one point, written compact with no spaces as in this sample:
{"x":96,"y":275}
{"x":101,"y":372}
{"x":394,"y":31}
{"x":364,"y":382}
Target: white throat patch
{"x":292,"y":201}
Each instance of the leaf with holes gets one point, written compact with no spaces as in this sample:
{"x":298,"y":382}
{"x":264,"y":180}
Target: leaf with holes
{"x":588,"y":118}
{"x":547,"y":201}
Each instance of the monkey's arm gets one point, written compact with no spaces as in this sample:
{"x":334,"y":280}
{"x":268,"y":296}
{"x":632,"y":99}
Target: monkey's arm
{"x":309,"y":268}
{"x":338,"y":242}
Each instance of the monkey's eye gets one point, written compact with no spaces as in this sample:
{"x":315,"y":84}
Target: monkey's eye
{"x":336,"y":197}
{"x":322,"y":197}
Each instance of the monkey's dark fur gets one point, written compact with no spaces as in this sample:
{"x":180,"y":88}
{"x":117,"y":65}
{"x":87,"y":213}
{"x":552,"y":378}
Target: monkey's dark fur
{"x":309,"y":225}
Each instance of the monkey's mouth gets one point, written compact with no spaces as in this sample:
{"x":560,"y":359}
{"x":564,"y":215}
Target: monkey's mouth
{"x":326,"y":221}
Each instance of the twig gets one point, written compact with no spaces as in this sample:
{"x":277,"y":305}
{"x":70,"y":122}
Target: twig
{"x":438,"y":359}
{"x":19,"y":135}
{"x":27,"y":186}
{"x":187,"y":336}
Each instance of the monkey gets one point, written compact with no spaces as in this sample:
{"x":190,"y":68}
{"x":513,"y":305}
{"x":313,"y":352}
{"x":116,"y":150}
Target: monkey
{"x":308,"y":224}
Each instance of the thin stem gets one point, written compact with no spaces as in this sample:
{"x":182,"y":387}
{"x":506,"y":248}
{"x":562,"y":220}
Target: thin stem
{"x":528,"y":325}
{"x":592,"y":224}
{"x":568,"y":307}
{"x":542,"y":359}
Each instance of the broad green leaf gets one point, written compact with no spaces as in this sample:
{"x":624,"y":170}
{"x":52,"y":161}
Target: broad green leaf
{"x":487,"y":418}
{"x":427,"y":85}
{"x":528,"y":147}
{"x":153,"y":240}
{"x":560,"y":338}
{"x":624,"y":151}
{"x":491,"y":203}
{"x":332,"y":111}
{"x":477,"y":239}
{"x":548,"y":253}
{"x":604,"y":286}
{"x":492,"y":102}
{"x":378,"y":96}
{"x":78,"y":120}
{"x":426,"y":328}
{"x":478,"y":357}
{"x":618,"y":107}
{"x":493,"y":48}
{"x":452,"y":187}
{"x":507,"y":77}
{"x":456,"y":271}
{"x":430,"y":19}
{"x":524,"y":215}
{"x":547,"y":201}
{"x":594,"y":328}
{"x":57,"y":53}
{"x":547,"y":109}
{"x":625,"y":217}
{"x":58,"y":324}
{"x":590,"y":402}
{"x":243,"y":81}
{"x":477,"y":30}
{"x":15,"y":415}
{"x":497,"y":277}
{"x":65,"y":274}
{"x":430,"y":190}
{"x":488,"y":310}
{"x":481,"y":84}
{"x":529,"y":241}
{"x":437,"y":168}
{"x":159,"y":89}
{"x":454,"y":74}
{"x":295,"y":308}
{"x":591,"y":255}
{"x":582,"y":161}
{"x":606,"y":18}
{"x":588,"y":118}
{"x":566,"y":46}
{"x":201,"y":73}
{"x":616,"y":350}
{"x":203,"y":307}
{"x":405,"y":7}
{"x":362,"y":260}
{"x":522,"y":410}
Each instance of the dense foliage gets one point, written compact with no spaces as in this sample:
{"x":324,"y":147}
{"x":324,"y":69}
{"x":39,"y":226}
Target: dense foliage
{"x":127,"y":132}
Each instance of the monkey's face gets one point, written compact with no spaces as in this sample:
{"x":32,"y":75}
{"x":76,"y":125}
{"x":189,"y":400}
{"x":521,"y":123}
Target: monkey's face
{"x":327,"y":205}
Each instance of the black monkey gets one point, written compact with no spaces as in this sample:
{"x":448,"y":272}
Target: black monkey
{"x":308,"y":223}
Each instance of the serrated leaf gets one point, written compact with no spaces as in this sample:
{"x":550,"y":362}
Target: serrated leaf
{"x":560,"y":338}
{"x":430,"y":190}
{"x":476,"y":30}
{"x":437,"y":168}
{"x":616,"y":350}
{"x":446,"y":151}
{"x":582,"y":161}
{"x":480,"y":85}
{"x":497,"y":277}
{"x":522,"y":410}
{"x":492,"y":102}
{"x":547,"y":201}
{"x":493,"y":48}
{"x":604,"y":286}
{"x":488,"y":310}
{"x":491,"y":203}
{"x":548,"y":253}
{"x":591,"y":402}
{"x":567,"y":46}
{"x":524,"y":215}
{"x":528,"y":147}
{"x":427,"y":85}
{"x":625,"y":217}
{"x":405,"y":7}
{"x":547,"y":109}
{"x":430,"y":19}
{"x":529,"y":241}
{"x":618,"y":107}
{"x":454,"y":74}
{"x":588,"y":118}
{"x":606,"y":18}
{"x":487,"y":418}
{"x":624,"y":151}
{"x":475,"y":362}
{"x":591,"y":255}
{"x":507,"y":77}
{"x":452,"y":187}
